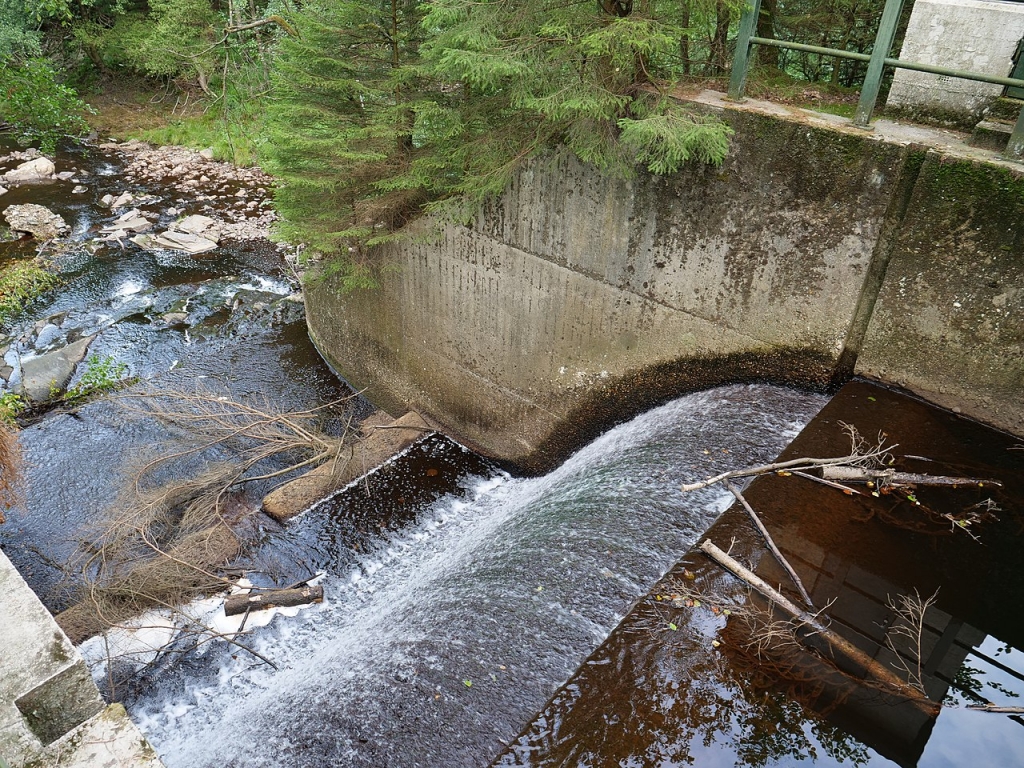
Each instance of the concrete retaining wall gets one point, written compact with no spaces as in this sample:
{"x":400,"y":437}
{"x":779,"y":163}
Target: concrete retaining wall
{"x":576,"y":300}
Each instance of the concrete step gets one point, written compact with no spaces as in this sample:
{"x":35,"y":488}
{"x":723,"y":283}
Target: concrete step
{"x":109,"y":738}
{"x":1004,"y":108}
{"x":991,"y":134}
{"x":51,"y":713}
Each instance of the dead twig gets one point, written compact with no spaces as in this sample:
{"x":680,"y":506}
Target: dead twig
{"x":909,"y":624}
{"x":861,"y":455}
{"x":771,"y":543}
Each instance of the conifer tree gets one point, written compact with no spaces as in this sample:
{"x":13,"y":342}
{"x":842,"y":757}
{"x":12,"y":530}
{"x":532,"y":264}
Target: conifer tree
{"x":340,"y":122}
{"x":387,"y":108}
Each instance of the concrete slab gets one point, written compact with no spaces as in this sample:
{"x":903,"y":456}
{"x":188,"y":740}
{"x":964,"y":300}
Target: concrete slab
{"x":51,"y":713}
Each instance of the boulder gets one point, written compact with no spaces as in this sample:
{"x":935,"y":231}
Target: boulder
{"x":125,"y":198}
{"x":3,"y":190}
{"x":39,"y":169}
{"x":42,"y":376}
{"x":40,"y":222}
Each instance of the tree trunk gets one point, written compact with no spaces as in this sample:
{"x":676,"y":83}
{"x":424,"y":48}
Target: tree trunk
{"x":684,"y":39}
{"x":718,"y":62}
{"x":767,"y":56}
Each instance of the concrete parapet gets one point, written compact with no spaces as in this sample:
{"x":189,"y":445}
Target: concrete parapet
{"x":971,"y":35}
{"x":51,"y":713}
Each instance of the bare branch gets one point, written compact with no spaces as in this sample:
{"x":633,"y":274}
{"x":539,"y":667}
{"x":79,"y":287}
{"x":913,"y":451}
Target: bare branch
{"x":771,"y":543}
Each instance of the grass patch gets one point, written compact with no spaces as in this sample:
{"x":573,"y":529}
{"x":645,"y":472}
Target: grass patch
{"x":20,"y":283}
{"x":231,"y":141}
{"x":141,"y":109}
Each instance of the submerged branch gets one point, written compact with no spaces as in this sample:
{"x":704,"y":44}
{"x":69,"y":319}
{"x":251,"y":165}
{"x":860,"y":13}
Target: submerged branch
{"x":840,"y":647}
{"x":771,"y":543}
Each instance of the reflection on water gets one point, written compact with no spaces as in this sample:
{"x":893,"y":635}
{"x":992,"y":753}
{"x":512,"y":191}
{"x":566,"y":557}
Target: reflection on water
{"x":676,"y":686}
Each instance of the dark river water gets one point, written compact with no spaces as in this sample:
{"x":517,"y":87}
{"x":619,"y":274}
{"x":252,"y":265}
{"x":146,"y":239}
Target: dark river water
{"x":471,"y":616}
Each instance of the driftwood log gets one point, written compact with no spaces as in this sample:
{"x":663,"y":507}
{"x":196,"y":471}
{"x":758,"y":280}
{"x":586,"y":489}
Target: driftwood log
{"x":847,"y":474}
{"x":272,"y":598}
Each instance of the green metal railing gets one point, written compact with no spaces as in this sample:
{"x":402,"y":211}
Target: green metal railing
{"x":877,"y":61}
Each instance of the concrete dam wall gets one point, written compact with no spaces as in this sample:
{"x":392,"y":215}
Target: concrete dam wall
{"x":812,"y":254}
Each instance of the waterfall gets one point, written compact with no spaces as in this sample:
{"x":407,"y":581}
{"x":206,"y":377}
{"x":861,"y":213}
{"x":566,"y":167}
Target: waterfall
{"x":438,"y":644}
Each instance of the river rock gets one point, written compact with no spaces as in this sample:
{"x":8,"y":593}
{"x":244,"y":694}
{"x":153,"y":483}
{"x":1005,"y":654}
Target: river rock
{"x":48,"y":334}
{"x":79,"y":190}
{"x":41,"y":376}
{"x":175,"y":241}
{"x":125,"y":198}
{"x":40,"y":169}
{"x":3,"y":190}
{"x":40,"y":222}
{"x":195,"y":224}
{"x":132,"y":221}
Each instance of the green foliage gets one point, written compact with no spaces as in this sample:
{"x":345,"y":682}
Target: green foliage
{"x":164,"y":38}
{"x":11,"y":405}
{"x":384,"y":110}
{"x":102,"y":374}
{"x":38,"y":106}
{"x":668,"y":138}
{"x":19,"y":36}
{"x":20,"y":283}
{"x":343,"y":119}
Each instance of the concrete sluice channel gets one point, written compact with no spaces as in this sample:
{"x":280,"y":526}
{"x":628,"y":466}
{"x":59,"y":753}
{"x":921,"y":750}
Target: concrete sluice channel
{"x":473,"y":618}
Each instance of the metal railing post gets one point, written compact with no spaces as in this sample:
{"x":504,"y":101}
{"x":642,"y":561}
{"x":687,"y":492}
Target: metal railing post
{"x":1015,"y":147}
{"x":741,"y":59}
{"x":883,"y":44}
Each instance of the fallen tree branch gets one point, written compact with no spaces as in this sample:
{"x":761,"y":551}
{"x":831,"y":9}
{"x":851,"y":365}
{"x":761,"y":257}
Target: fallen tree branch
{"x":996,"y":708}
{"x":829,"y":483}
{"x":891,"y":477}
{"x":863,"y":665}
{"x":861,"y":455}
{"x":771,"y":543}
